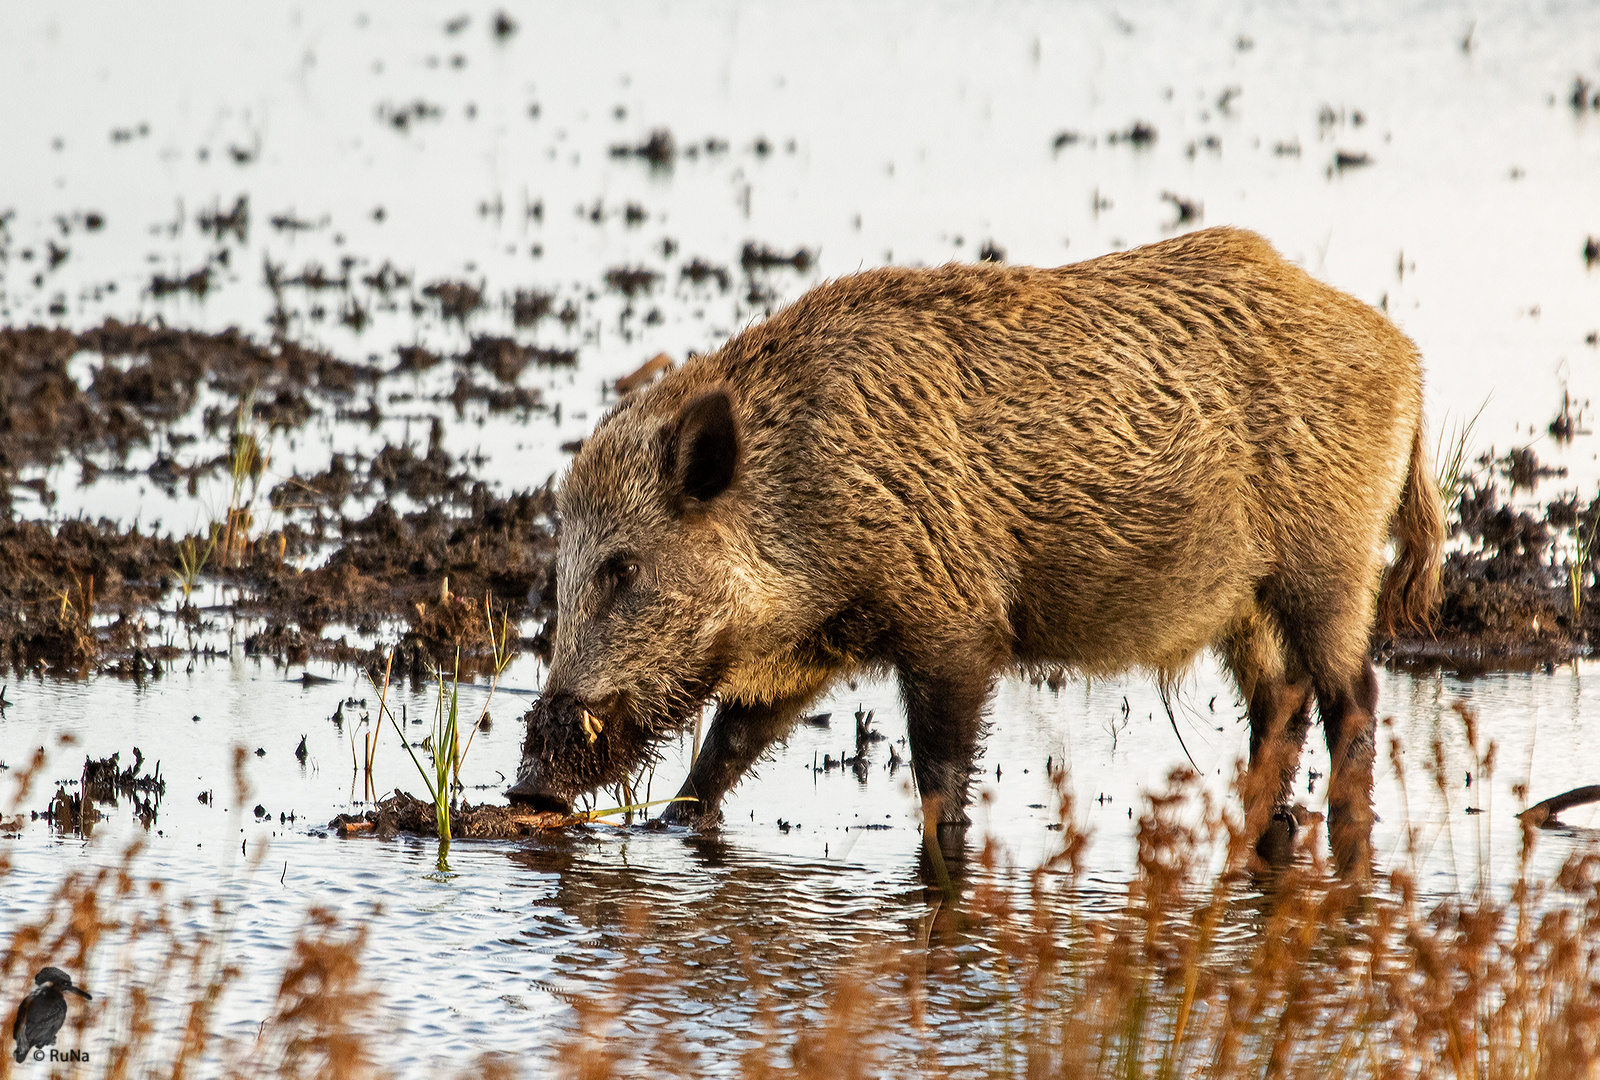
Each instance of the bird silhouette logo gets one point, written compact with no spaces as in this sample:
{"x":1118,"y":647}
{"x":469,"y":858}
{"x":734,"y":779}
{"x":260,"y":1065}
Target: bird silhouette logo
{"x":42,"y":1012}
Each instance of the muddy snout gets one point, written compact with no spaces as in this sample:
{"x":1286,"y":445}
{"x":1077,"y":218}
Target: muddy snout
{"x":532,"y":792}
{"x":569,"y":750}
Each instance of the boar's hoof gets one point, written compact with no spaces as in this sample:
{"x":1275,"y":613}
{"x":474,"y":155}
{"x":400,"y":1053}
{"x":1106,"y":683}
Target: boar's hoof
{"x":1276,"y":846}
{"x":692,"y":815}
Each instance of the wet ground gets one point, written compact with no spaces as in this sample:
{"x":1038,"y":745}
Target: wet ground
{"x":292,"y":337}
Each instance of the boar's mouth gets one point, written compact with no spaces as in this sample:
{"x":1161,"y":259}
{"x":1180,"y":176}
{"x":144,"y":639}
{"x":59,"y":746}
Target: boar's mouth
{"x":526,"y":792}
{"x":568,"y":751}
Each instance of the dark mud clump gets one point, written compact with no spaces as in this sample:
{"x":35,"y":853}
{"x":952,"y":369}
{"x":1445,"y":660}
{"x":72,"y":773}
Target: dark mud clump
{"x":402,"y":813}
{"x":631,"y":281}
{"x":1524,"y":470}
{"x":506,"y":357}
{"x":456,"y":299}
{"x":699,"y":271}
{"x":1139,"y":134}
{"x":74,"y":593}
{"x":1518,"y":589}
{"x":660,"y":149}
{"x":218,"y":223}
{"x":148,"y":376}
{"x":196,"y":283}
{"x":415,"y":358}
{"x":759,"y":260}
{"x":497,"y":399}
{"x":760,"y":257}
{"x":528,"y":306}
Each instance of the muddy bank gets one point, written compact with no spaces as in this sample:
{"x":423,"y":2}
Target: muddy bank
{"x":80,"y":596}
{"x":1518,"y":581}
{"x":53,"y":582}
{"x":147,"y":378}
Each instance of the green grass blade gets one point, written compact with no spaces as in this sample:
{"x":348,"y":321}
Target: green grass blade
{"x":590,"y":815}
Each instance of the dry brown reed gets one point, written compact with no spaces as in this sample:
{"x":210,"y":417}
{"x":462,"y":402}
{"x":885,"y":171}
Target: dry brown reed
{"x":1197,"y":972}
{"x":160,"y":984}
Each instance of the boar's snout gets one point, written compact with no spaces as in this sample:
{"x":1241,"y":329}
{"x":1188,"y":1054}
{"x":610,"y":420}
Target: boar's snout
{"x":530,"y":792}
{"x":542,"y":779}
{"x":570,"y":750}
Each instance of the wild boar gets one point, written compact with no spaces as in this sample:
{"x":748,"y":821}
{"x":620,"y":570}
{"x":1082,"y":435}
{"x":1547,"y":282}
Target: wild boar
{"x":959,"y":472}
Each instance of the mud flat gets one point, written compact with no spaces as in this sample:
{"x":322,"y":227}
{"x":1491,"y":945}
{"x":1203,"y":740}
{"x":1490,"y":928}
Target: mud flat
{"x":79,"y":596}
{"x":1518,"y":579}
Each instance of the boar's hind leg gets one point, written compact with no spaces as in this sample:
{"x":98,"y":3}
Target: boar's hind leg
{"x":1279,"y":703}
{"x":1349,"y":719}
{"x":1331,"y":635}
{"x":1280,"y":716}
{"x":944,"y":718}
{"x":739,"y":734}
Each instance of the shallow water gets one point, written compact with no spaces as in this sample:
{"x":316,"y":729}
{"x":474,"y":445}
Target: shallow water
{"x":490,"y":956}
{"x":893,"y":134}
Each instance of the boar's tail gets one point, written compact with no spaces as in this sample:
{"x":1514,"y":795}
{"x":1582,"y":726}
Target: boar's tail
{"x":1410,"y":590}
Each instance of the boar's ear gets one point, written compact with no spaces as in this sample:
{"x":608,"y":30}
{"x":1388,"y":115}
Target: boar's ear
{"x":706,"y":447}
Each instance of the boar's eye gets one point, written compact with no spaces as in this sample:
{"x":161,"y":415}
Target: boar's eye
{"x":620,"y":571}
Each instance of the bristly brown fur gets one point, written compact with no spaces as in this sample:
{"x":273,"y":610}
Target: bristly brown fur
{"x":955,"y":472}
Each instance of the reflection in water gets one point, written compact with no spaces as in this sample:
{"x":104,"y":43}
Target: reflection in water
{"x":700,"y":937}
{"x":100,"y":785}
{"x":697,"y":948}
{"x":707,"y":940}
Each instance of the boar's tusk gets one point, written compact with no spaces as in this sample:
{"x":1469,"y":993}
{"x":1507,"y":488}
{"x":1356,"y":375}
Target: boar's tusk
{"x":591,"y":726}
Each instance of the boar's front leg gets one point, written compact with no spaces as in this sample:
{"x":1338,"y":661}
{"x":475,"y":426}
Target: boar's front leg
{"x":944,"y":718}
{"x":739,"y":734}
